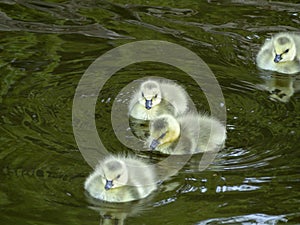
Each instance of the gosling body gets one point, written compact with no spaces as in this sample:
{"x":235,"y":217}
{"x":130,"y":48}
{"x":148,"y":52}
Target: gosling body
{"x":156,"y":97}
{"x":187,"y":134}
{"x":121,"y":179}
{"x":281,"y":53}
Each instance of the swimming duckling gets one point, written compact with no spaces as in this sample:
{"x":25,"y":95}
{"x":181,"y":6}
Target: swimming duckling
{"x":156,"y":97}
{"x":187,"y":134}
{"x":121,"y":179}
{"x":281,"y":53}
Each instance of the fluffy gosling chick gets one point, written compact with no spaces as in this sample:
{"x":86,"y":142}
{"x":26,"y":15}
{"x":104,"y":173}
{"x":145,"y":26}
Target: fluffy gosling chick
{"x":187,"y":134}
{"x":156,"y":97}
{"x":281,"y":53}
{"x":121,"y":179}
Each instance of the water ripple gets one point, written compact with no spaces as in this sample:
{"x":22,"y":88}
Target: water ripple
{"x":94,"y":30}
{"x":258,"y":218}
{"x":254,"y":180}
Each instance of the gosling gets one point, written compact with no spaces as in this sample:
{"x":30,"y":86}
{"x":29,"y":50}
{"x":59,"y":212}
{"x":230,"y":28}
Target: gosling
{"x":158,"y":97}
{"x":188,"y":134}
{"x":121,"y":179}
{"x":281,"y":53}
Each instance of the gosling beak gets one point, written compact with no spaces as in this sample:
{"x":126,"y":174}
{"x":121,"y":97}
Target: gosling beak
{"x":277,"y":58}
{"x":154,"y":144}
{"x":108,"y":185}
{"x":148,"y":104}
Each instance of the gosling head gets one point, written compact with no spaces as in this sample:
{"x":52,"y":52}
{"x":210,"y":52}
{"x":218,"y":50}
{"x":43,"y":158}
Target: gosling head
{"x":164,"y":130}
{"x":284,"y":48}
{"x":150,"y":94}
{"x":114,"y":174}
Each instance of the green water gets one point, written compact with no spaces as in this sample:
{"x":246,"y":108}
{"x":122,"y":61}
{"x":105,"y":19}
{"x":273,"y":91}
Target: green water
{"x":45,"y":48}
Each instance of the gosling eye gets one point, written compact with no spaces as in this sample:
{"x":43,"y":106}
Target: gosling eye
{"x":143,"y":94}
{"x":286,"y":51}
{"x":155,"y":96}
{"x":118,"y":176}
{"x":163,"y":135}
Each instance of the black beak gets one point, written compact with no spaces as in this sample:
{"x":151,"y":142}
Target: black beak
{"x":154,"y":144}
{"x":277,"y":58}
{"x":148,"y":104}
{"x":108,"y":185}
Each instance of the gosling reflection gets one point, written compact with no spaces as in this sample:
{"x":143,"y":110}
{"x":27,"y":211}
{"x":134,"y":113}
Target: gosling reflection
{"x":281,"y":88}
{"x":116,"y":214}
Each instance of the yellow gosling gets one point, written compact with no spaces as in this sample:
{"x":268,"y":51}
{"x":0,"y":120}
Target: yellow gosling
{"x":156,"y":97}
{"x":187,"y":134}
{"x":281,"y":53}
{"x":121,"y":179}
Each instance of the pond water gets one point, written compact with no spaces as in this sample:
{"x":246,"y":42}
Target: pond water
{"x":46,"y":46}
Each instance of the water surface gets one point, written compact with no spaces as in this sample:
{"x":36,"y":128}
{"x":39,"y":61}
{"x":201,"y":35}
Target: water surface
{"x":45,"y":48}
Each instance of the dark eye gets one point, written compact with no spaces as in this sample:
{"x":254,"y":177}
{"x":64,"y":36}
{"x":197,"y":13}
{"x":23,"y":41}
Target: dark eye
{"x":143,"y":94}
{"x":163,"y":135}
{"x":155,"y":96}
{"x":118,"y":176}
{"x":286,"y":51}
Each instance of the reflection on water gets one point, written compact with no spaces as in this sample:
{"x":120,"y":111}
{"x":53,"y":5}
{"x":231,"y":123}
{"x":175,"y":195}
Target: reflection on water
{"x":281,"y":87}
{"x":46,"y":46}
{"x":247,"y":219}
{"x":116,"y":214}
